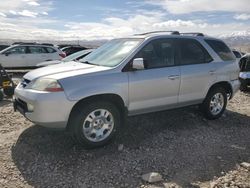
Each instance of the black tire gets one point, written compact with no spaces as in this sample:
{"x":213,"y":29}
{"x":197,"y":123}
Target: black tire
{"x":205,"y":106}
{"x":1,"y":95}
{"x":80,"y":113}
{"x":9,"y":91}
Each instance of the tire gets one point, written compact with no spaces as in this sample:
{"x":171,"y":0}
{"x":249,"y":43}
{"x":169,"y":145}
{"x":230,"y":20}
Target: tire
{"x":215,"y":103}
{"x":86,"y":123}
{"x":1,"y":95}
{"x":9,"y":91}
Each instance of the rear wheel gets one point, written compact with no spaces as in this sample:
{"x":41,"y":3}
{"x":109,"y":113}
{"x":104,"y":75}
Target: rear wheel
{"x":94,"y":124}
{"x":215,"y":103}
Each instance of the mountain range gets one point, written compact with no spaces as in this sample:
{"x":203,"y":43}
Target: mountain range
{"x":239,"y":40}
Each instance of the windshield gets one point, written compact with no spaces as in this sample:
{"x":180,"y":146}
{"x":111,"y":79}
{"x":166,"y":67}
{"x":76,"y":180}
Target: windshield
{"x":76,"y":55}
{"x":112,"y":53}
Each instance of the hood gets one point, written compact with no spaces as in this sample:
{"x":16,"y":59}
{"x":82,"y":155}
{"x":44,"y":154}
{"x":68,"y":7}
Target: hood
{"x":47,"y":63}
{"x":64,"y":70}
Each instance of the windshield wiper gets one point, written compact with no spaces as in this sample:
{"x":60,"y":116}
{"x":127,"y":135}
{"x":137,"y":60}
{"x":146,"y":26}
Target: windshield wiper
{"x":87,"y":62}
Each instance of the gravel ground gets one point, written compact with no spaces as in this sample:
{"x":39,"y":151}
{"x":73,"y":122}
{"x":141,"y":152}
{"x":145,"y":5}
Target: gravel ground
{"x":186,"y":149}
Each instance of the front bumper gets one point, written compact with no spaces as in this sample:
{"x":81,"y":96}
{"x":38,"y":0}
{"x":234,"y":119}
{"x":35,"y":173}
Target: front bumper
{"x":48,"y":109}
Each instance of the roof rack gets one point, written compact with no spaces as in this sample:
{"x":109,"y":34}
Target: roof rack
{"x":194,"y":34}
{"x":32,"y":43}
{"x":171,"y":32}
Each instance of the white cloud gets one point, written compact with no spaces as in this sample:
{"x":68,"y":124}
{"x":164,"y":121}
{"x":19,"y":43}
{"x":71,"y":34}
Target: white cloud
{"x":29,"y":8}
{"x":2,"y":14}
{"x":12,"y":12}
{"x":25,"y":21}
{"x":189,"y":6}
{"x":28,"y":13}
{"x":242,"y":17}
{"x":45,"y":13}
{"x":33,"y":3}
{"x":111,"y":27}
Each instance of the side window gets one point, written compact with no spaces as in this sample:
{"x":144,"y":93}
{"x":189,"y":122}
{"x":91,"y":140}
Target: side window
{"x":50,"y":50}
{"x":192,"y":52}
{"x":36,"y":50}
{"x":158,"y":53}
{"x":17,"y":50}
{"x":221,"y":49}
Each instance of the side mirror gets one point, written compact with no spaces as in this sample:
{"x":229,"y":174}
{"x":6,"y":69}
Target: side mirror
{"x":138,"y":64}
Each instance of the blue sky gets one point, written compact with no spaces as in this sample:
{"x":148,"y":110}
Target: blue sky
{"x":105,"y":19}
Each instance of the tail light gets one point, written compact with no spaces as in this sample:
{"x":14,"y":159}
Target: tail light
{"x":63,"y":55}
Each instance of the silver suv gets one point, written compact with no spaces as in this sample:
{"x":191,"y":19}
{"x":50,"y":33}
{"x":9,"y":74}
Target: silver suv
{"x":144,"y":73}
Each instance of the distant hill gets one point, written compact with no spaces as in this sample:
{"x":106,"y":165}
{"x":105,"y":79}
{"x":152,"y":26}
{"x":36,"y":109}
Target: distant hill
{"x":85,"y":43}
{"x":239,"y":40}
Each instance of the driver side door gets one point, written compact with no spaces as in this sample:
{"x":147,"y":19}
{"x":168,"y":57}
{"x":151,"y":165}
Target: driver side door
{"x":156,"y":87}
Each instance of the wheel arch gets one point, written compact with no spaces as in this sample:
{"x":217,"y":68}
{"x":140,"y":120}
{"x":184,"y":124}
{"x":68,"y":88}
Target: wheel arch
{"x":224,"y":84}
{"x":108,"y":97}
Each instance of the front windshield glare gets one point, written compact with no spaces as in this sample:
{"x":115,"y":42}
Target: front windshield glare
{"x":112,"y":53}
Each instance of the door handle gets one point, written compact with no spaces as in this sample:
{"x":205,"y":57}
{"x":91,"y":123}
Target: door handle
{"x":212,"y":72}
{"x":173,"y":77}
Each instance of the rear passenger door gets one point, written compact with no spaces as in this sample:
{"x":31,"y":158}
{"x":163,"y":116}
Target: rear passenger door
{"x":157,"y":86}
{"x":36,"y":54}
{"x":197,"y":71}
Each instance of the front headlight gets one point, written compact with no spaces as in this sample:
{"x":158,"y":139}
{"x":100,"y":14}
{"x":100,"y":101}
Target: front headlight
{"x":45,"y":84}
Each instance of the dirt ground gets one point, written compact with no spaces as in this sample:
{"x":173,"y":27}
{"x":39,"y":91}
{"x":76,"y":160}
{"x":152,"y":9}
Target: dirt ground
{"x":186,"y":149}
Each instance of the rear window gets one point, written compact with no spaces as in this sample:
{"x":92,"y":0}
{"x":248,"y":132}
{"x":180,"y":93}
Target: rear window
{"x":192,"y":52}
{"x":36,"y":50}
{"x":51,"y":50}
{"x":221,"y":49}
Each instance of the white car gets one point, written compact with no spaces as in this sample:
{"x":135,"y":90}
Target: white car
{"x":24,"y":55}
{"x":73,"y":57}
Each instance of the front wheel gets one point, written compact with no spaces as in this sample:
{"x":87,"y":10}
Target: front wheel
{"x":215,"y":103}
{"x":94,"y":124}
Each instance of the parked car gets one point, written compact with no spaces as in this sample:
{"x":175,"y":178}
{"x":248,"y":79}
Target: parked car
{"x":144,"y":73}
{"x":72,"y":49}
{"x":60,"y":46}
{"x":28,"y":55}
{"x":2,"y":47}
{"x":245,"y":72}
{"x":73,"y":57}
{"x":237,"y":54}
